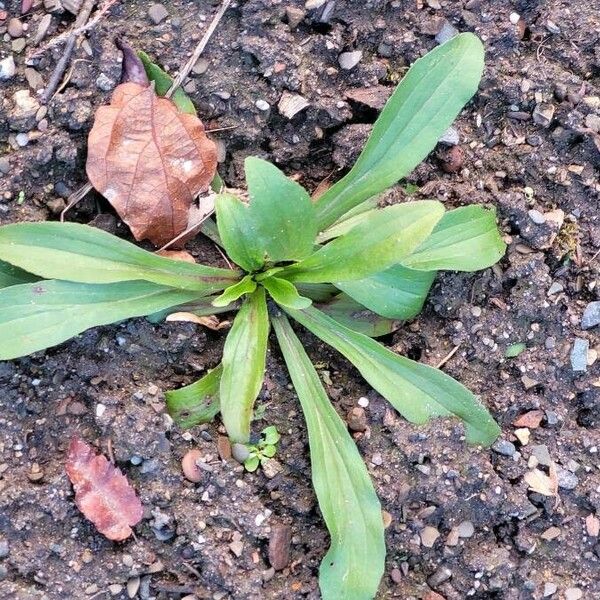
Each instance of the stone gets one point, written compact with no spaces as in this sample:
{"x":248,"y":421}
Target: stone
{"x":357,"y":419}
{"x":504,"y":447}
{"x":447,"y":32}
{"x":536,"y":216}
{"x":566,"y":479}
{"x":105,"y":83}
{"x":201,"y":66}
{"x":4,"y":165}
{"x":441,"y":575}
{"x":549,"y":589}
{"x":591,"y":315}
{"x":4,"y":549}
{"x":290,"y":105}
{"x":348,"y":60}
{"x":157,"y":13}
{"x":451,"y":137}
{"x":271,"y":468}
{"x":573,"y":594}
{"x":42,"y":29}
{"x":543,"y":113}
{"x":294,"y":15}
{"x":7,"y":68}
{"x":466,"y":529}
{"x":279,"y":546}
{"x":593,"y":122}
{"x":35,"y":81}
{"x":18,"y":45}
{"x":555,"y":288}
{"x":262,"y":105}
{"x":429,"y":536}
{"x":22,"y":117}
{"x":579,"y":354}
{"x":22,"y":139}
{"x":541,"y":454}
{"x":15,"y":28}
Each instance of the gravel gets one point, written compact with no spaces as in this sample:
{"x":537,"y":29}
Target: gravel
{"x":504,"y":447}
{"x":579,"y":354}
{"x":348,"y":60}
{"x":591,"y":315}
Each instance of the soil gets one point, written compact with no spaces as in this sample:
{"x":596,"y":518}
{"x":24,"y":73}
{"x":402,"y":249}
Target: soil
{"x":528,"y":142}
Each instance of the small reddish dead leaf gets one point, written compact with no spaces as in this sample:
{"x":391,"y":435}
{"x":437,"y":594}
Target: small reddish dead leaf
{"x":102,"y":492}
{"x":531,"y":419}
{"x":182,"y":255}
{"x":149,"y":161}
{"x":210,"y":321}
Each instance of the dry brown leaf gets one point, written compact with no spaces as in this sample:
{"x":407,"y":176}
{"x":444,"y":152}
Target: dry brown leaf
{"x":539,"y":482}
{"x":102,"y":492}
{"x":211,"y":322}
{"x":182,"y":255}
{"x":149,"y":161}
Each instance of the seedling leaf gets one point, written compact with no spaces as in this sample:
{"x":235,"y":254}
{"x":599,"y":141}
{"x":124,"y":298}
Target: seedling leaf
{"x":246,"y":286}
{"x":353,"y":566}
{"x":244,"y":365}
{"x":285,"y":293}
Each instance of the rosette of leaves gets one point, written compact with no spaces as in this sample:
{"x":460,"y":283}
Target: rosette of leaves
{"x":341,"y":267}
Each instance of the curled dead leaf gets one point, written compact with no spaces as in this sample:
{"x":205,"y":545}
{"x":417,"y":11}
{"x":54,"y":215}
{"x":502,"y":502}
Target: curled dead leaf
{"x":210,"y":322}
{"x":149,"y":161}
{"x":539,"y":482}
{"x":182,"y":255}
{"x":102,"y":492}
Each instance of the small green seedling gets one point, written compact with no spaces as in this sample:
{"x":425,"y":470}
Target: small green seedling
{"x":343,"y":268}
{"x":262,"y":451}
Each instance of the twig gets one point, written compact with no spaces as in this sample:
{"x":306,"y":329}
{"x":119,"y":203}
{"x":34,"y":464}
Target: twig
{"x":61,"y":65}
{"x":74,"y":198}
{"x":447,"y":357}
{"x":199,"y":49}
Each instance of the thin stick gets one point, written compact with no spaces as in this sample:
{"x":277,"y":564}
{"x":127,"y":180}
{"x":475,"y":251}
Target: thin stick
{"x":61,"y":65}
{"x":447,"y":357}
{"x":199,"y":49}
{"x":74,"y":198}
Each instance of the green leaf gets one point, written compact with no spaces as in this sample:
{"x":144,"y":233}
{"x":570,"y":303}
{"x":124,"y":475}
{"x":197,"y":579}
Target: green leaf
{"x":195,"y":403}
{"x":417,"y":391}
{"x":269,"y":451}
{"x":353,"y":565}
{"x":396,"y":293}
{"x":34,"y":316}
{"x":317,"y":292}
{"x":514,"y":350}
{"x":162,"y":83}
{"x":244,"y":357}
{"x":375,"y":244}
{"x":349,"y":220}
{"x":465,"y":239}
{"x":246,"y":286}
{"x":285,"y":293}
{"x":251,"y":463}
{"x":277,"y":225}
{"x":420,"y":110}
{"x":10,"y":275}
{"x":85,"y":254}
{"x":355,"y":316}
{"x":271,"y":435}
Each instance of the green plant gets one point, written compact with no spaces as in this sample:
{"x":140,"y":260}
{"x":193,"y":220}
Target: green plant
{"x":342,"y":267}
{"x":263,"y":450}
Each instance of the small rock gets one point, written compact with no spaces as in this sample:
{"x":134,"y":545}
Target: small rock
{"x":189,"y":466}
{"x":290,"y":105}
{"x":104,"y":83}
{"x":201,"y":66}
{"x":115,"y":589}
{"x":451,"y":137}
{"x":396,"y":575}
{"x":555,"y":288}
{"x":133,"y":586}
{"x":35,"y":80}
{"x":294,"y":15}
{"x":42,"y":29}
{"x":573,"y":594}
{"x":22,"y":117}
{"x":357,"y":419}
{"x":15,"y":28}
{"x":549,"y":589}
{"x":593,"y":122}
{"x":271,"y":468}
{"x":591,"y":315}
{"x":240,"y":452}
{"x":552,"y":27}
{"x":551,"y":534}
{"x":514,"y":18}
{"x":237,"y":547}
{"x":7,"y":67}
{"x":504,"y":447}
{"x":377,"y":459}
{"x":4,"y":549}
{"x":566,"y":479}
{"x":18,"y":45}
{"x":543,"y":113}
{"x":429,"y":535}
{"x":453,"y":159}
{"x":363,"y":402}
{"x":530,"y":419}
{"x":579,"y":354}
{"x":157,"y":13}
{"x":4,"y":165}
{"x":224,"y":447}
{"x":279,"y":546}
{"x":22,"y":139}
{"x":312,"y":4}
{"x":262,"y":105}
{"x":441,"y":575}
{"x":447,"y":32}
{"x":348,"y":60}
{"x":536,"y":216}
{"x":453,"y":537}
{"x":592,"y":525}
{"x":541,"y":454}
{"x":523,"y":434}
{"x":466,"y":529}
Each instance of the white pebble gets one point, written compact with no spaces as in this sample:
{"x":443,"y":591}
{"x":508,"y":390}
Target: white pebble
{"x":262,"y":105}
{"x":514,"y":18}
{"x":363,"y":402}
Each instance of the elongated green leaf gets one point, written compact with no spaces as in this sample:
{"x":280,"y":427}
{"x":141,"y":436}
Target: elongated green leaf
{"x":465,"y":239}
{"x":244,"y":357}
{"x":10,"y":275}
{"x":195,"y":403}
{"x":375,"y":244}
{"x":353,"y":565}
{"x":355,"y":316}
{"x":39,"y":315}
{"x":277,"y":225}
{"x":396,"y":293}
{"x":317,"y":292}
{"x":415,"y":390}
{"x":85,"y":254}
{"x":284,"y":293}
{"x":420,"y":110}
{"x":162,"y":83}
{"x":344,"y":225}
{"x":246,"y":286}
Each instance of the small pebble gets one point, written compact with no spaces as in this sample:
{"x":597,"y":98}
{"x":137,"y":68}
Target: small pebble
{"x":566,"y":479}
{"x":7,"y":67}
{"x":555,"y":288}
{"x":543,"y":114}
{"x":357,"y":419}
{"x":591,"y":315}
{"x":348,"y":60}
{"x":42,"y":29}
{"x":15,"y":28}
{"x":536,"y":216}
{"x":541,"y":454}
{"x":514,"y":18}
{"x":549,"y":589}
{"x":189,"y":467}
{"x":363,"y":402}
{"x":466,"y":529}
{"x":504,"y":447}
{"x":201,"y":66}
{"x":573,"y":594}
{"x":4,"y":549}
{"x":279,"y":546}
{"x":579,"y":354}
{"x":451,"y":137}
{"x":441,"y":575}
{"x":157,"y":13}
{"x":262,"y":105}
{"x":429,"y":535}
{"x":104,"y":83}
{"x":22,"y":139}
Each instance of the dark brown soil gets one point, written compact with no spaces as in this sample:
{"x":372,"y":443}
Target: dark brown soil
{"x":424,"y":476}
